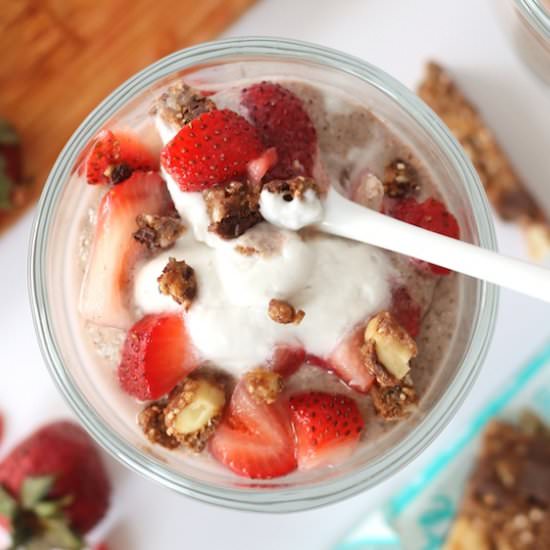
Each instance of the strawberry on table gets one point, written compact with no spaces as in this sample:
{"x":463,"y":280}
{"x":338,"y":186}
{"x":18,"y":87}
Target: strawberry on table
{"x":347,"y":362}
{"x":114,"y":252}
{"x":53,"y":487}
{"x":214,"y":148}
{"x":255,"y":437}
{"x":430,"y":214}
{"x":115,"y":155}
{"x":156,"y":355}
{"x":327,"y":427}
{"x":283,"y":123}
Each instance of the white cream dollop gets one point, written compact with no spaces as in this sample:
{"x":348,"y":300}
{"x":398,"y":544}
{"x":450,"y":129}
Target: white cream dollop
{"x":338,"y":283}
{"x":295,"y":214}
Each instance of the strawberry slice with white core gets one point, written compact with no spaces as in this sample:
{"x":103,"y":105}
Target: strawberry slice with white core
{"x":114,"y":252}
{"x":254,"y":439}
{"x":327,"y":426}
{"x":156,"y":355}
{"x":347,"y":362}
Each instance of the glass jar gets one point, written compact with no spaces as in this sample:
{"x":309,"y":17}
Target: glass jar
{"x":54,"y":297}
{"x":528,"y":24}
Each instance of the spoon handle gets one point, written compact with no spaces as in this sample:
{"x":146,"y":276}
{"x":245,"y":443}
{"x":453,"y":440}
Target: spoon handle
{"x":347,"y":219}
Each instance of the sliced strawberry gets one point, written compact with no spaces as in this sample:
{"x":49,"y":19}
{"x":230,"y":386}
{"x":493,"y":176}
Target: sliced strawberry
{"x":406,"y":311}
{"x":430,"y":214}
{"x":287,"y":359}
{"x":115,"y":155}
{"x":114,"y":253}
{"x":255,"y":439}
{"x":327,"y":427}
{"x":347,"y":363}
{"x":258,"y":168}
{"x":284,"y":124}
{"x":156,"y":355}
{"x":213,"y":149}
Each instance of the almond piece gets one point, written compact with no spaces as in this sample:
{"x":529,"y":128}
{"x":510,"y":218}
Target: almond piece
{"x":193,"y":411}
{"x":393,"y":344}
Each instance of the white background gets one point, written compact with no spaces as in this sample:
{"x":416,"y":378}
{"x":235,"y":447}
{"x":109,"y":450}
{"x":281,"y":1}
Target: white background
{"x":398,"y":36}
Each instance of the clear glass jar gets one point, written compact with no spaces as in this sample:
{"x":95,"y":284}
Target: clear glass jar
{"x":528,"y":24}
{"x":54,"y":299}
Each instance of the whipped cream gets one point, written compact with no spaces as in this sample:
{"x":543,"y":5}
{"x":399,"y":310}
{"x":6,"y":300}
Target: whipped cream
{"x":294,"y":214}
{"x":338,"y":283}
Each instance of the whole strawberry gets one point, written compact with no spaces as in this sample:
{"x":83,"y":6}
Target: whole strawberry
{"x":53,"y":488}
{"x":214,"y":148}
{"x":283,"y":123}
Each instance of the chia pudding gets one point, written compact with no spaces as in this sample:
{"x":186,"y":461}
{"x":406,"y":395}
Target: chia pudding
{"x":233,"y":330}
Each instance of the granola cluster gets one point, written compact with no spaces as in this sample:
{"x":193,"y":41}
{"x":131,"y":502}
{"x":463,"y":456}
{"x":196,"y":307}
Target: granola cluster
{"x":188,"y":417}
{"x":263,"y":385}
{"x":387,"y":352}
{"x":400,"y":179}
{"x":178,"y":281}
{"x":505,"y":189}
{"x":507,"y":500}
{"x":181,"y":104}
{"x":158,"y":232}
{"x":293,"y":188}
{"x":233,"y":208}
{"x":284,"y":313}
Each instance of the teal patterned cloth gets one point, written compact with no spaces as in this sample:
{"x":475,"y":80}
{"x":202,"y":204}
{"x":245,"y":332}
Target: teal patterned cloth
{"x":419,"y":516}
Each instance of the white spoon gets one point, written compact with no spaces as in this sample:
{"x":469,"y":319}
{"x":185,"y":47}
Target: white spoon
{"x":348,"y":219}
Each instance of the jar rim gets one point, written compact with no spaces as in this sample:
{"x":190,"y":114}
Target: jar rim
{"x":536,"y":16}
{"x":272,"y":499}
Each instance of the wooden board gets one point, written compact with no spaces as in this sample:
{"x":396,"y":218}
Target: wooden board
{"x":60,"y":58}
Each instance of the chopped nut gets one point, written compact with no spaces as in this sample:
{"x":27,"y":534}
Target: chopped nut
{"x":393,"y":345}
{"x":370,"y":359}
{"x":151,"y":420}
{"x":118,"y":172}
{"x":395,"y":402}
{"x":158,"y":232}
{"x":194,"y":410}
{"x":180,"y":104}
{"x":293,"y":188}
{"x":178,"y":280}
{"x":284,"y":313}
{"x":233,"y":208}
{"x":400,"y":179}
{"x":263,"y":385}
{"x":508,"y":194}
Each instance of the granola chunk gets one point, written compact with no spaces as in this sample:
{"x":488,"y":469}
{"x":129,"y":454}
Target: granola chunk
{"x":194,"y":410}
{"x":393,"y":345}
{"x":383,"y":376}
{"x":263,"y":385}
{"x":180,"y":104}
{"x":505,"y":189}
{"x":178,"y":280}
{"x":291,"y":189}
{"x":158,"y":232}
{"x":506,"y":503}
{"x":284,"y":313}
{"x":394,"y":402}
{"x":400,"y":179}
{"x":151,"y":421}
{"x":233,"y":208}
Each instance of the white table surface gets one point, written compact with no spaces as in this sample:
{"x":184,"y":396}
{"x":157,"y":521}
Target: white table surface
{"x":398,"y":36}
